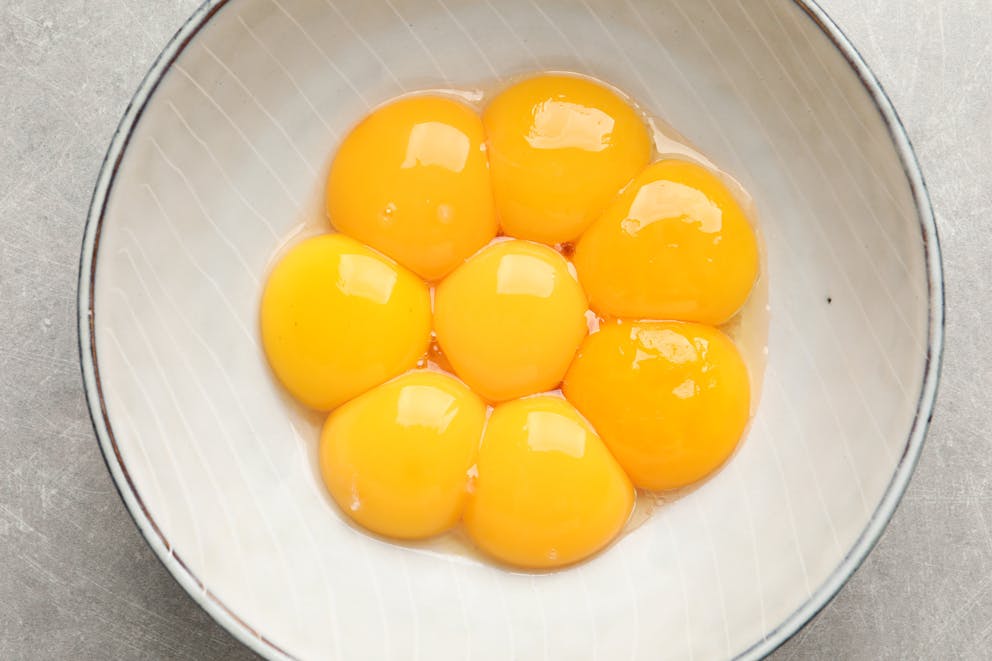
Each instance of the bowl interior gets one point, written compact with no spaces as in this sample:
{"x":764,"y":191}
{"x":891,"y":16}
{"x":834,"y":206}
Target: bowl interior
{"x":229,"y":156}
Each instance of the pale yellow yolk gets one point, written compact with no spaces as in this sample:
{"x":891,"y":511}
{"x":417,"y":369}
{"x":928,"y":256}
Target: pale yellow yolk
{"x":548,"y":493}
{"x":560,"y":148}
{"x":674,"y":245}
{"x":338,"y":318}
{"x":669,"y":399}
{"x":412,"y":180}
{"x":510,"y":319}
{"x":396,"y":459}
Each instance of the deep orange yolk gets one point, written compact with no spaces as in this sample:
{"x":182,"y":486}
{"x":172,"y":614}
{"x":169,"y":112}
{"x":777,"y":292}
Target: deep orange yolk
{"x":396,"y":459}
{"x":669,"y":399}
{"x":510,"y":319}
{"x":560,"y":148}
{"x":412,"y":181}
{"x":339,"y":318}
{"x":674,"y":245}
{"x":548,"y":493}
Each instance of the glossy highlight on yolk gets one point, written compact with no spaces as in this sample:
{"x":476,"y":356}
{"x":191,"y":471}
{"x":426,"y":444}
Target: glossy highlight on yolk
{"x":560,"y":148}
{"x":338,"y":318}
{"x":674,"y":245}
{"x":548,"y":493}
{"x":412,"y":180}
{"x":510,"y":319}
{"x":396,"y":459}
{"x":670,"y":399}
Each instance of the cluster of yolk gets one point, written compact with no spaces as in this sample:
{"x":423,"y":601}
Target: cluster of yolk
{"x":659,"y":254}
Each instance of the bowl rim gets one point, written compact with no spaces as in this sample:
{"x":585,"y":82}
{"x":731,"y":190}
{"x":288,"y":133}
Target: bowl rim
{"x":255,"y":639}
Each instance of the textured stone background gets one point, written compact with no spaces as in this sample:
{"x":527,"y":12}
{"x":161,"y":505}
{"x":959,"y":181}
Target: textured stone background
{"x":76,"y":579}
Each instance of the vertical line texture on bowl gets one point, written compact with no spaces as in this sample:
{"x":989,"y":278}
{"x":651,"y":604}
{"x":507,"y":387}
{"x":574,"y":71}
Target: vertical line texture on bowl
{"x":236,"y":625}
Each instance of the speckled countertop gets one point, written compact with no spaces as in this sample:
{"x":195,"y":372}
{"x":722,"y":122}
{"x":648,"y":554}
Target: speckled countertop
{"x":77,"y":580}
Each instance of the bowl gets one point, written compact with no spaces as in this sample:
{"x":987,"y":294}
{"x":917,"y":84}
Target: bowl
{"x":223,"y":153}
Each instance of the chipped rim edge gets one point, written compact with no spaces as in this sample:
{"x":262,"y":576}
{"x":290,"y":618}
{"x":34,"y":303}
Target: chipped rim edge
{"x":254,"y":639}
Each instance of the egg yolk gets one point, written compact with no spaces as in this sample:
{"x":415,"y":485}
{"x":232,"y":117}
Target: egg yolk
{"x":510,"y":319}
{"x":669,"y":399}
{"x":560,"y":148}
{"x":674,"y":245}
{"x":481,"y":245}
{"x":412,"y":181}
{"x":396,"y":459}
{"x":548,"y":493}
{"x":338,"y":318}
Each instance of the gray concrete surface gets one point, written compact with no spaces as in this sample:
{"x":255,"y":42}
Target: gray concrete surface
{"x":78,"y":582}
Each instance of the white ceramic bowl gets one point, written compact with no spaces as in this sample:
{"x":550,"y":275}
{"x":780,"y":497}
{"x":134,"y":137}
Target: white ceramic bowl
{"x":224,"y":150}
